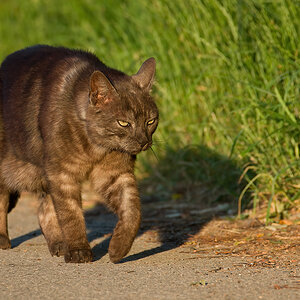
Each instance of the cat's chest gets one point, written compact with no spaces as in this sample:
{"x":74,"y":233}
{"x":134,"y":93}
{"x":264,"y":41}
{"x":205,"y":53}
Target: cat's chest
{"x":80,"y":164}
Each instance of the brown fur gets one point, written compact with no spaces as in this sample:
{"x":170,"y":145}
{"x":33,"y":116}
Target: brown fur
{"x":59,"y":125}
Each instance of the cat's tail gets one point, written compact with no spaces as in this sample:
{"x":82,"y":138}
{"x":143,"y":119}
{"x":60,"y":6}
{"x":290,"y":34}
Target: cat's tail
{"x":13,"y":196}
{"x":13,"y":199}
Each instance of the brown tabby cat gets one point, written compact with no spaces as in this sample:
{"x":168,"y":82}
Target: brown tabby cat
{"x":65,"y":117}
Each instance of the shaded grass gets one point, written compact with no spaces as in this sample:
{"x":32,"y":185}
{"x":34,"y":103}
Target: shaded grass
{"x":227,"y":79}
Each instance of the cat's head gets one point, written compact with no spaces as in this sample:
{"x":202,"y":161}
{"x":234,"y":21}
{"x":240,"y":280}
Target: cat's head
{"x":121,"y":114}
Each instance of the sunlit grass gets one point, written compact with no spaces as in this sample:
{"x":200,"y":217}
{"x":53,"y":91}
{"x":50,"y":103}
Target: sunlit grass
{"x":227,"y":79}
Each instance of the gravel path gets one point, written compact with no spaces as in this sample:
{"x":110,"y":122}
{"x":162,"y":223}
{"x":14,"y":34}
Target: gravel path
{"x":150,"y":271}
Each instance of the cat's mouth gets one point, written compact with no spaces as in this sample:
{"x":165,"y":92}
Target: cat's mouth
{"x":132,"y":150}
{"x":146,"y":147}
{"x":141,"y":148}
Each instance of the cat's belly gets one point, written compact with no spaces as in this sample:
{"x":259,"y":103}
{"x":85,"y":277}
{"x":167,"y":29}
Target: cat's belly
{"x":20,"y":176}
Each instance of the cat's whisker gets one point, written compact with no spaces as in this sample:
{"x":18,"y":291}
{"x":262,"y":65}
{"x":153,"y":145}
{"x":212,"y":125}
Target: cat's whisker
{"x":160,"y":141}
{"x":160,"y":146}
{"x":154,"y":153}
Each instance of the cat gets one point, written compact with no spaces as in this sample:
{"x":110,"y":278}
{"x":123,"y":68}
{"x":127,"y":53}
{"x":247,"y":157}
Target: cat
{"x":64,"y":117}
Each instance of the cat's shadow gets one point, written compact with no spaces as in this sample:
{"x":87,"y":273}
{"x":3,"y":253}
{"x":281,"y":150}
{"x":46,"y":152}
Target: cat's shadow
{"x":101,"y":249}
{"x":170,"y":235}
{"x":15,"y":242}
{"x":97,"y":232}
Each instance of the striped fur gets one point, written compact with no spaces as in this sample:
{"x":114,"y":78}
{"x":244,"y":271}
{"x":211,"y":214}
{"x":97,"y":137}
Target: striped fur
{"x":59,"y":125}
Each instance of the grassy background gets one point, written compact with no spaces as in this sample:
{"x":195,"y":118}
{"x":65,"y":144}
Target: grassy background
{"x":227,"y":86}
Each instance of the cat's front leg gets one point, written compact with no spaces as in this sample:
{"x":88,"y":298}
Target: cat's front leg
{"x":121,"y":194}
{"x":66,"y":196}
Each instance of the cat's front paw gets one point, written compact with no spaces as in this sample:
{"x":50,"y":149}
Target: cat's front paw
{"x":79,"y":256}
{"x":4,"y":242}
{"x":57,"y":249}
{"x":118,"y":248}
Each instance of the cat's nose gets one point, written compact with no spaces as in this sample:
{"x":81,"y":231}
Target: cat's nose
{"x":143,"y":141}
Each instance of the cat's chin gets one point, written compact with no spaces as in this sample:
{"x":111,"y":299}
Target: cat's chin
{"x":130,"y":152}
{"x":135,"y":152}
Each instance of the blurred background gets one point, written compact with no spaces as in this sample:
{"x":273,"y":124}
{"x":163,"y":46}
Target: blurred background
{"x":227,"y":87}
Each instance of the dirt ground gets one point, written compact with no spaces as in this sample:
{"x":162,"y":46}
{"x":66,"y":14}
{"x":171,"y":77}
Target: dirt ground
{"x":181,"y":252}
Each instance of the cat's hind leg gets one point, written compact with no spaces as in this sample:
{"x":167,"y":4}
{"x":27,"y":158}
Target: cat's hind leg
{"x":50,"y":227}
{"x":7,"y":203}
{"x":66,"y":199}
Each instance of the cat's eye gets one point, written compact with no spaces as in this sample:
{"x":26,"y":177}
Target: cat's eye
{"x":150,"y":122}
{"x":124,"y":123}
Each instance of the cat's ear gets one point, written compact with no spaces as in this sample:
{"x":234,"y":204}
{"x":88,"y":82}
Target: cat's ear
{"x":101,"y":89}
{"x":145,"y":76}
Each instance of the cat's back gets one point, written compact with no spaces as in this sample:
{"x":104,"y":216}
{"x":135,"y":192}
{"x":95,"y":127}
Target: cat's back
{"x":32,"y":78}
{"x":39,"y":54}
{"x":39,"y":64}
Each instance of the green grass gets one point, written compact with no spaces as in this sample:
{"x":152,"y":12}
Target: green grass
{"x":228,"y":83}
